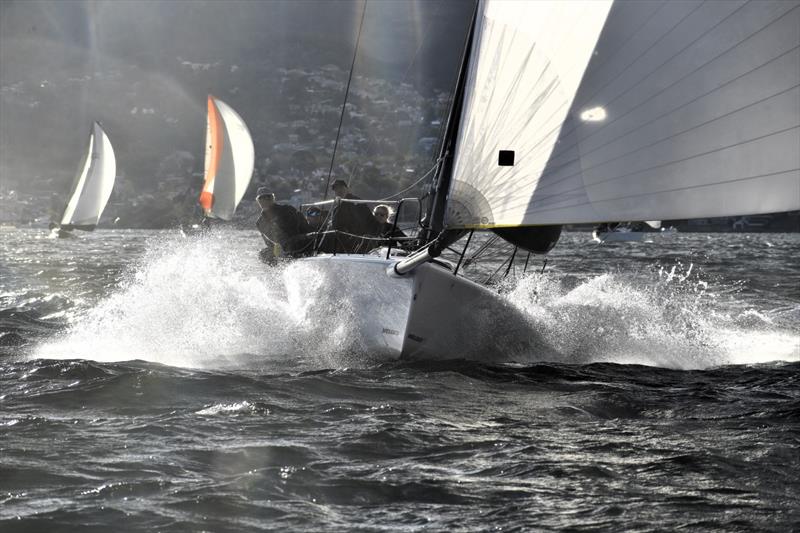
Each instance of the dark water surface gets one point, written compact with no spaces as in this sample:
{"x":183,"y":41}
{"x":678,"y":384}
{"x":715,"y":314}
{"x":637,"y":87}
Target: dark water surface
{"x":154,"y":383}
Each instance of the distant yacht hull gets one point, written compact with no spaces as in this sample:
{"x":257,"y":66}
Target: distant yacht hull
{"x":630,"y":236}
{"x":426,"y":314}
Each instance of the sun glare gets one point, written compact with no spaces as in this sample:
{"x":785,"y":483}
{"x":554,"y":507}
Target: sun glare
{"x":595,"y":114}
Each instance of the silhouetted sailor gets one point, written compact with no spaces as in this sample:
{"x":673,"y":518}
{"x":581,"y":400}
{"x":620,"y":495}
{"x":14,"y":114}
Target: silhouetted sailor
{"x":281,"y":225}
{"x":350,"y":217}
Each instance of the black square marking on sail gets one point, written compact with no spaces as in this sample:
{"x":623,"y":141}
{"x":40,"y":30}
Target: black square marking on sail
{"x":506,"y":158}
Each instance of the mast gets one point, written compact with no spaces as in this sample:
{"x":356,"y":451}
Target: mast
{"x":441,"y":182}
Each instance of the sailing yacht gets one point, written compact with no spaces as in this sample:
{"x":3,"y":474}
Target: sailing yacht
{"x":229,"y":162}
{"x":91,"y":188}
{"x":584,"y":112}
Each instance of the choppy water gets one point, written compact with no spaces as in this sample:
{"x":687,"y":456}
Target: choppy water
{"x":151,"y":382}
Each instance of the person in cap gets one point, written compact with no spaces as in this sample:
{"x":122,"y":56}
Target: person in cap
{"x":282,"y":227}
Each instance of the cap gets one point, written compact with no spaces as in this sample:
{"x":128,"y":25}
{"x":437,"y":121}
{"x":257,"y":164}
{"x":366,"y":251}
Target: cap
{"x":264,"y":191}
{"x":338,"y":182}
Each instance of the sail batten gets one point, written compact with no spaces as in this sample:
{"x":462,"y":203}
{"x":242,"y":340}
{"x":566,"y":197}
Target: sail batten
{"x":230,"y":159}
{"x":673,"y":110}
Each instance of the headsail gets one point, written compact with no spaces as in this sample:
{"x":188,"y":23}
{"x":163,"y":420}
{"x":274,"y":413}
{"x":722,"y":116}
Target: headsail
{"x":230,"y":157}
{"x":673,"y":110}
{"x":92,"y":186}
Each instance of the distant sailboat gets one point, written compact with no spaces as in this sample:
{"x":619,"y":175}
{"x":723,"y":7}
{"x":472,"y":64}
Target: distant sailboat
{"x":92,"y":186}
{"x":230,"y":158}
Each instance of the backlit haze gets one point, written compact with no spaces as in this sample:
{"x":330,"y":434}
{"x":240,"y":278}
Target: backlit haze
{"x":143,"y":69}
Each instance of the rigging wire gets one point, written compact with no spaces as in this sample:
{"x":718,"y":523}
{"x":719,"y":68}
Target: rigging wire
{"x":464,"y":251}
{"x":344,"y":104}
{"x":511,"y":263}
{"x":493,"y":274}
{"x":424,"y":176}
{"x":481,"y":250}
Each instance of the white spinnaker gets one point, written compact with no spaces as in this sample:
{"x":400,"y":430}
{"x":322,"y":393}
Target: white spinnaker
{"x":686,"y":110}
{"x":236,"y":164}
{"x":94,"y":185}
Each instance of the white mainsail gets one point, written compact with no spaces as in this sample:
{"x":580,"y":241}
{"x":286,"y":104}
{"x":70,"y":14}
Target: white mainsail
{"x":230,"y":158}
{"x":92,"y":187}
{"x":646,"y":110}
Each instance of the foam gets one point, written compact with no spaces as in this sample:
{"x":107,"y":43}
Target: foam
{"x":207,"y":302}
{"x":197,"y":302}
{"x":669,"y":318}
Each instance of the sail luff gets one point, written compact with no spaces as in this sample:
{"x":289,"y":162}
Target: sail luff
{"x":440,"y":185}
{"x":79,"y":183}
{"x":213,"y":148}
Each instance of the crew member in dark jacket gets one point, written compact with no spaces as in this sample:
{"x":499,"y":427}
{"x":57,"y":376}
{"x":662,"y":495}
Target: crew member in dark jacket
{"x":281,"y":225}
{"x":353,"y":220}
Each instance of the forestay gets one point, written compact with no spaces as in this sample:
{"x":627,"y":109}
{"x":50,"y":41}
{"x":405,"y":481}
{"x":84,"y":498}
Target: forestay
{"x":684,"y":110}
{"x":92,"y":186}
{"x":230,"y":157}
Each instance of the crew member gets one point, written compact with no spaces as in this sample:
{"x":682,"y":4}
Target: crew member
{"x":282,"y":227}
{"x":352,"y":217}
{"x":383,"y":214}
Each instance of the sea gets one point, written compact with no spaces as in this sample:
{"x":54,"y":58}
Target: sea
{"x":152,"y":381}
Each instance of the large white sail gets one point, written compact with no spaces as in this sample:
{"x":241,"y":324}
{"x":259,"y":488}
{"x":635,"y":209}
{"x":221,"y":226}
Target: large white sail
{"x":92,"y":187}
{"x":677,"y":110}
{"x":230,"y":157}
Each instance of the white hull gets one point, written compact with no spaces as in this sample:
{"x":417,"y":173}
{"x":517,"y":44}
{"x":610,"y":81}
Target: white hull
{"x":426,"y":314}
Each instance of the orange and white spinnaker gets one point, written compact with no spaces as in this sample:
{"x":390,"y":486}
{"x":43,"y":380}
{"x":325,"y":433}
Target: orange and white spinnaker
{"x":230,"y":157}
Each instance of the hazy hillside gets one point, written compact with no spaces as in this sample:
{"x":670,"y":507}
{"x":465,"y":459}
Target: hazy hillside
{"x":144,"y":69}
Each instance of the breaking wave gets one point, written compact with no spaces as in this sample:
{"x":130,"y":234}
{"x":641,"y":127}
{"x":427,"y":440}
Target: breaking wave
{"x":668,"y":318}
{"x":205,"y":302}
{"x":200,"y":302}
